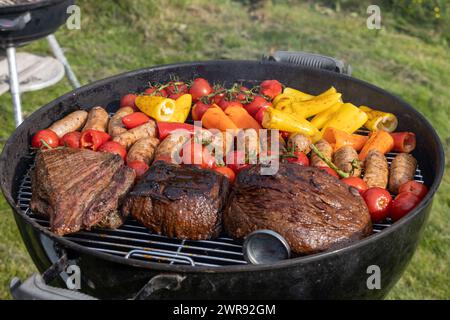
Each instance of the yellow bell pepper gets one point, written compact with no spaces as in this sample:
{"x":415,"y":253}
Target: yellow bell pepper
{"x":379,"y":120}
{"x":297,"y":94}
{"x":348,"y":118}
{"x":182,"y":108}
{"x":323,"y":117}
{"x":159,"y":108}
{"x":277,"y":119}
{"x":309,"y":107}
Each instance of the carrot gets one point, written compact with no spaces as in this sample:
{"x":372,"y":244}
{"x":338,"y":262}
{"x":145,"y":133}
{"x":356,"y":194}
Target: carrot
{"x":215,"y":118}
{"x":379,"y":140}
{"x":241,"y":118}
{"x":338,"y":138}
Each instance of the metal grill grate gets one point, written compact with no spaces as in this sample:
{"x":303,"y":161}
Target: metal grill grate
{"x":133,"y":241}
{"x":10,"y":3}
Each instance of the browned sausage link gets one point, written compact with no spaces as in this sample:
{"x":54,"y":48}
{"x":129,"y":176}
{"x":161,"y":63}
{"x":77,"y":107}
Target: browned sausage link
{"x":326,"y":149}
{"x":143,"y":150}
{"x":97,"y":119}
{"x":403,"y":168}
{"x":346,"y":159}
{"x":128,"y":138}
{"x":115,"y":126}
{"x":72,"y":122}
{"x":376,"y":170}
{"x":171,"y":146}
{"x":299,"y":143}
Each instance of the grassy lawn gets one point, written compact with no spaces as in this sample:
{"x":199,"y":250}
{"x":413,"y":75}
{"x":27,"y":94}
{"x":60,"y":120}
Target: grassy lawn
{"x":117,"y":36}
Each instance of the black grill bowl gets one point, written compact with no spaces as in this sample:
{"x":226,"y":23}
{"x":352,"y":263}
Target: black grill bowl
{"x":339,"y":274}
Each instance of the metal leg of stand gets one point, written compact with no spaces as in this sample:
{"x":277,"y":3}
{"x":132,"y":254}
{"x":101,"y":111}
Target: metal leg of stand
{"x":14,"y":84}
{"x":59,"y":54}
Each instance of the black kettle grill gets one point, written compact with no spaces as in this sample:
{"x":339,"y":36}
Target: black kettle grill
{"x":131,"y":262}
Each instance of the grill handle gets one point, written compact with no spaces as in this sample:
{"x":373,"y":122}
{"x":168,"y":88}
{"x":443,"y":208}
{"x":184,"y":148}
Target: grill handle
{"x":15,"y":24}
{"x":35,"y":288}
{"x":311,"y":60}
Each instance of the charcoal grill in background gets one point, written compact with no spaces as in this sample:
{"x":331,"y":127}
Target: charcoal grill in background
{"x":23,"y":21}
{"x":131,"y":262}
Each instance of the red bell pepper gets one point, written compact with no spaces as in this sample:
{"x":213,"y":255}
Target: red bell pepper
{"x":167,"y":128}
{"x":71,"y":139}
{"x":93,"y":139}
{"x":404,"y":141}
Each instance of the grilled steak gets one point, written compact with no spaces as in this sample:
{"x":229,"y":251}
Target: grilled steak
{"x":185,"y":202}
{"x":311,"y":209}
{"x":78,"y":188}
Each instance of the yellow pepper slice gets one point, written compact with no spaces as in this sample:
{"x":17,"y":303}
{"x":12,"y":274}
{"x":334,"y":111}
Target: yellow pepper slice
{"x":323,"y":117}
{"x":348,"y":118}
{"x":277,"y":119}
{"x":297,"y":94}
{"x":159,"y":108}
{"x":182,"y":108}
{"x":379,"y":120}
{"x":309,"y":107}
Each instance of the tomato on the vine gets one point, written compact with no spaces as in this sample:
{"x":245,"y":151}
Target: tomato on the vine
{"x":199,"y":88}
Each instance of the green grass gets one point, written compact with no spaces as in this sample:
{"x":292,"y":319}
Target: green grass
{"x":117,"y":36}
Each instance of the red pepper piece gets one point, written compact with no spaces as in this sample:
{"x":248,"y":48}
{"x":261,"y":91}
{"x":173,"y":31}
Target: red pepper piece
{"x":404,"y":141}
{"x":93,"y":139}
{"x":167,"y":128}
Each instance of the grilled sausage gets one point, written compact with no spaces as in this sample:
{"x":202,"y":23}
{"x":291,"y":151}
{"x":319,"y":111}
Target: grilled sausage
{"x":403,"y":168}
{"x":299,"y":143}
{"x":115,"y":126}
{"x":97,"y":119}
{"x":72,"y":122}
{"x":346,"y":159}
{"x":326,"y":149}
{"x":171,"y":146}
{"x":376,"y":170}
{"x":143,"y":150}
{"x":128,"y":138}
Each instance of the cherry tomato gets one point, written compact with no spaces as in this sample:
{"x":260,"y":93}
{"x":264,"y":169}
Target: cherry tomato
{"x":176,"y":87}
{"x":227,"y":172}
{"x":271,"y":88}
{"x":199,"y":109}
{"x":195,"y":153}
{"x":241,"y":96}
{"x":414,"y":187}
{"x":71,"y":139}
{"x":218,"y":96}
{"x":160,"y":93}
{"x":403,"y":203}
{"x":256,"y":104}
{"x":224,"y":103}
{"x":235,"y":160}
{"x":378,"y":201}
{"x":113,"y":147}
{"x":128,"y":101}
{"x":200,"y":87}
{"x":329,"y":170}
{"x":43,"y":137}
{"x":140,"y":167}
{"x":175,"y":96}
{"x":260,"y":114}
{"x":356,"y":183}
{"x":135,"y":120}
{"x":300,"y":158}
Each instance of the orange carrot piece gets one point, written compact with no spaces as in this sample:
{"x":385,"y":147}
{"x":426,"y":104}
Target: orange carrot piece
{"x":241,"y":118}
{"x":215,"y":118}
{"x":379,"y":140}
{"x":339,"y":138}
